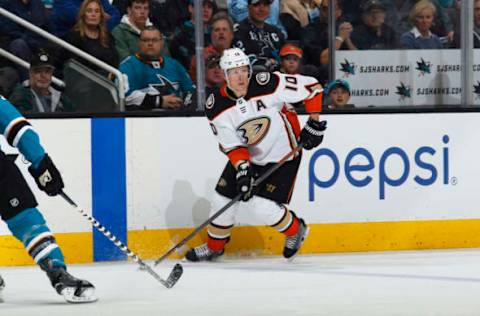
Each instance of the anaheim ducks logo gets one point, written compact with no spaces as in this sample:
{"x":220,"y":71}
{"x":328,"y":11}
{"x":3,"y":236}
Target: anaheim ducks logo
{"x":254,"y":130}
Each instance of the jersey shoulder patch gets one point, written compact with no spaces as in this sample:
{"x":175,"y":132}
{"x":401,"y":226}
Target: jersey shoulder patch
{"x":262,"y":78}
{"x":216,"y":103}
{"x":265,"y":83}
{"x":210,"y":101}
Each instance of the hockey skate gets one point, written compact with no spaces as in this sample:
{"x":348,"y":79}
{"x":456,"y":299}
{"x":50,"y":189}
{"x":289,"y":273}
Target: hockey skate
{"x":72,"y":289}
{"x":293,"y":243}
{"x":202,"y":253}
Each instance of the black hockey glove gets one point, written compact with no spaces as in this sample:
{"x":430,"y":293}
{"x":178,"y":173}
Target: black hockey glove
{"x":47,"y":176}
{"x":245,"y":181}
{"x":312,"y":133}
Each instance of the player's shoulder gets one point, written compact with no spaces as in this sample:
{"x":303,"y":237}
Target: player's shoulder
{"x":263,"y":83}
{"x":4,"y":101}
{"x":217,"y":102}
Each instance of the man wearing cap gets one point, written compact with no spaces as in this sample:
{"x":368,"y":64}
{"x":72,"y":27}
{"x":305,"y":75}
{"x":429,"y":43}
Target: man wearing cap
{"x":373,"y":33}
{"x":36,"y":95}
{"x":214,"y":76}
{"x":337,"y":95}
{"x":182,"y":47}
{"x":258,"y":39}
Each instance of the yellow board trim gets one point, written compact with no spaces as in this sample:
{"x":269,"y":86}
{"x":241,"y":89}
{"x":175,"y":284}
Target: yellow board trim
{"x":324,"y":238}
{"x":260,"y":240}
{"x":76,"y":247}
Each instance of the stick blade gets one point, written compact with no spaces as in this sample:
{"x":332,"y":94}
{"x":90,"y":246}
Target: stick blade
{"x":174,"y":275}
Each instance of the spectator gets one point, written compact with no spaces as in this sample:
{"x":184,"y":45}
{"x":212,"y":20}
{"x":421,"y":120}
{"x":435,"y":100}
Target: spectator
{"x":337,"y":95}
{"x":238,"y":11}
{"x":258,"y":39}
{"x":442,"y":24}
{"x":373,"y":33}
{"x":214,"y":76}
{"x":127,"y":33}
{"x":182,"y":47}
{"x":221,"y":39}
{"x":420,"y":37}
{"x":398,"y":13}
{"x":64,"y":15}
{"x":36,"y":95}
{"x":297,"y":14}
{"x":291,"y":57}
{"x":91,"y":35}
{"x":155,"y":81}
{"x":315,"y":37}
{"x":476,"y":26}
{"x":173,"y":15}
{"x":19,"y":41}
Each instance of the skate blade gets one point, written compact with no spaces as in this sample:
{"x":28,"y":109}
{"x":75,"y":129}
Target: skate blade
{"x":303,"y":240}
{"x":88,"y":295}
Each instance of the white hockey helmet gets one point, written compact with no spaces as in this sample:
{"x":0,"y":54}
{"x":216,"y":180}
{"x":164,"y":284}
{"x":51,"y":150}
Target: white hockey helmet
{"x":234,"y":58}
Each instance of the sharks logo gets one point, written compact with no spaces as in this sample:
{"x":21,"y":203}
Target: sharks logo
{"x":165,"y":86}
{"x":476,"y":90}
{"x":404,"y":91}
{"x":347,"y":68}
{"x":424,"y":67}
{"x":254,"y":130}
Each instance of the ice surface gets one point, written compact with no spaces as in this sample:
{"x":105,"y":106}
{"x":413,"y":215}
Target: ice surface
{"x":392,"y":283}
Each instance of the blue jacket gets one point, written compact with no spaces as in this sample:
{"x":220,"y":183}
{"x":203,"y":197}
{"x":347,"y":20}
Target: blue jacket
{"x":19,"y":133}
{"x":64,"y":15}
{"x":34,"y":12}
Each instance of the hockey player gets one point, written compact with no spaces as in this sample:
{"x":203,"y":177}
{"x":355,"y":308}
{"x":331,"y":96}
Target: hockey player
{"x":255,"y":130}
{"x":18,"y":207}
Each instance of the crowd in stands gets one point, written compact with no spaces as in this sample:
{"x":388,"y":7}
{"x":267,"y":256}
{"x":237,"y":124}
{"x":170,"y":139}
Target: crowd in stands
{"x":152,"y":42}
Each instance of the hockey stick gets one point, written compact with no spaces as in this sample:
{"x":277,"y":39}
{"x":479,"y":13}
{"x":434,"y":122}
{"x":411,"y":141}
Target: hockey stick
{"x":168,"y":283}
{"x":229,"y":204}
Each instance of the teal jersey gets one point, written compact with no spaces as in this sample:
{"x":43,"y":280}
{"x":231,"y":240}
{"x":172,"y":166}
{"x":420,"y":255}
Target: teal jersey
{"x":163,"y":77}
{"x":19,"y":133}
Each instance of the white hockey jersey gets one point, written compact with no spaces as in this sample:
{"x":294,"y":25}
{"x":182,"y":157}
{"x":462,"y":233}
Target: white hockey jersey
{"x":258,"y":127}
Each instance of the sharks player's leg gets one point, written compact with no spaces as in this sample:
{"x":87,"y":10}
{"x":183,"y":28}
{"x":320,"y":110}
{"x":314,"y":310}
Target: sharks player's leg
{"x":219,"y":230}
{"x":18,"y":210}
